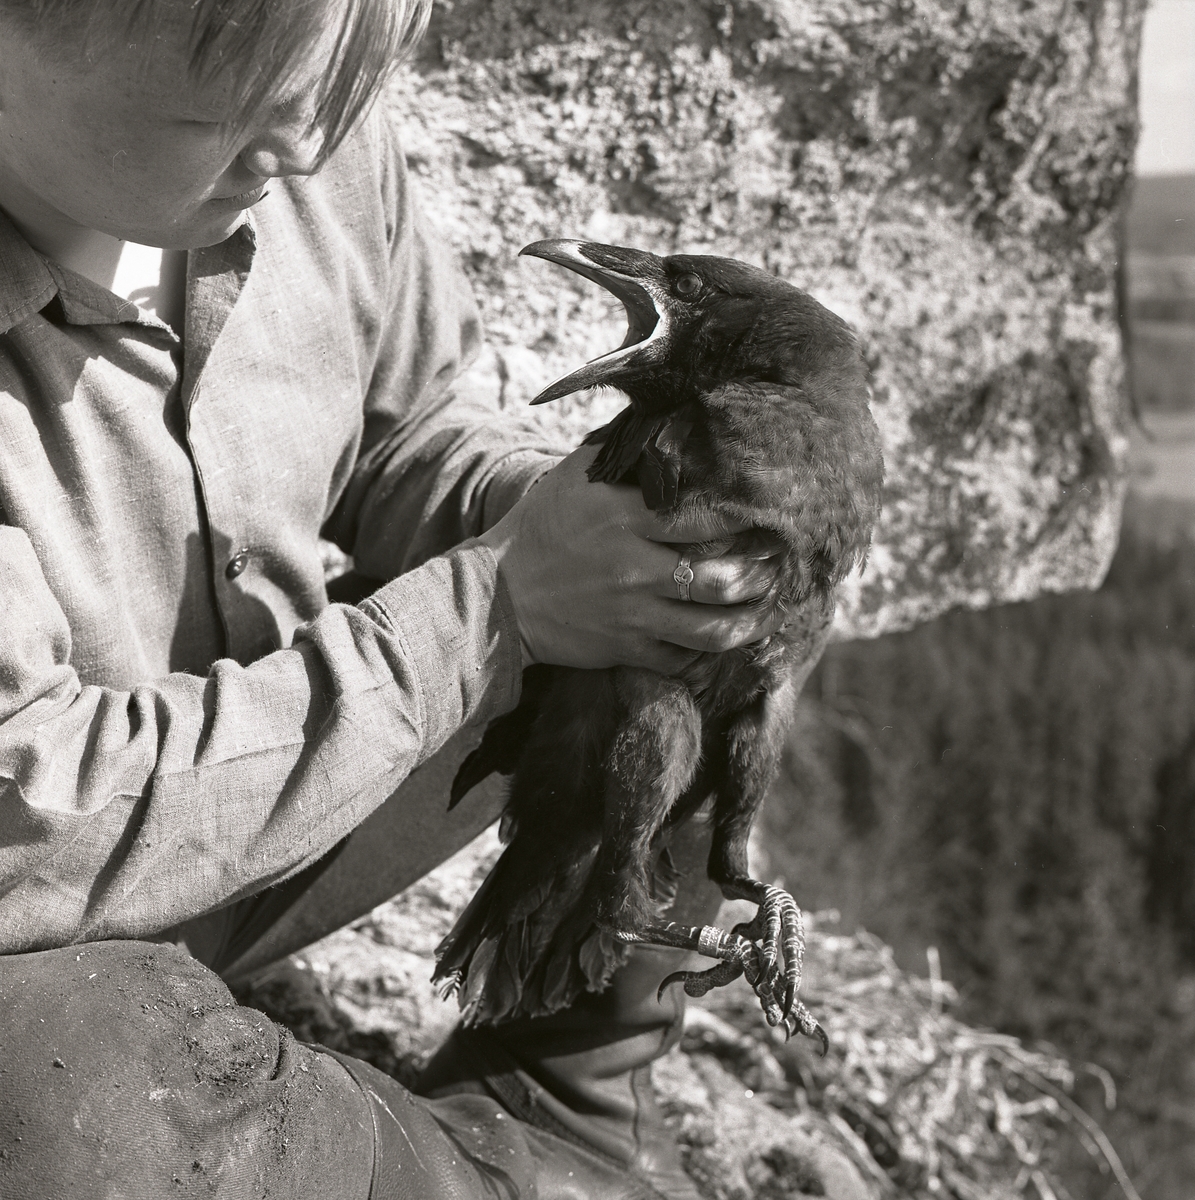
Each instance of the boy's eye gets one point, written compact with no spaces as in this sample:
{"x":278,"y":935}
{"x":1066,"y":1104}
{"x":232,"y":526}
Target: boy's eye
{"x":687,"y":285}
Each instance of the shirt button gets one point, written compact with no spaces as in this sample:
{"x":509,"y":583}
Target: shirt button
{"x":237,"y":564}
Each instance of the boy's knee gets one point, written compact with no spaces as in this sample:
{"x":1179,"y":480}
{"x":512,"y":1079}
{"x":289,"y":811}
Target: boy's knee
{"x":129,"y":1064}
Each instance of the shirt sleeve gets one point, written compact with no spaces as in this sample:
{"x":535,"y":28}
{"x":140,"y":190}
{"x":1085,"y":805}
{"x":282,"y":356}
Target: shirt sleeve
{"x":123,"y":813}
{"x":439,"y":460}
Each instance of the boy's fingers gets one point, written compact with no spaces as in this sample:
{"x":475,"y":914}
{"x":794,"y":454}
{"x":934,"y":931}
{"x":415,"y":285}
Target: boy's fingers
{"x":704,"y":527}
{"x":641,"y":520}
{"x":727,"y":579}
{"x":731,"y":579}
{"x":714,"y":630}
{"x":709,"y":527}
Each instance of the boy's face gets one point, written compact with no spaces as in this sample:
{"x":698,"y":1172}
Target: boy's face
{"x":130,"y":146}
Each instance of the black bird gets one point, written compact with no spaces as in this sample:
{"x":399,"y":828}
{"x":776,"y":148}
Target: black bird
{"x":749,"y":401}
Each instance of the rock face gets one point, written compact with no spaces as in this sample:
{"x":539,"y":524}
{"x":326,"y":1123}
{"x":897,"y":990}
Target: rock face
{"x":947,"y":177}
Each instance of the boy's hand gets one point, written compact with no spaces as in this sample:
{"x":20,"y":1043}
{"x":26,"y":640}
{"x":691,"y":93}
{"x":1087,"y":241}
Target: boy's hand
{"x":593,"y":587}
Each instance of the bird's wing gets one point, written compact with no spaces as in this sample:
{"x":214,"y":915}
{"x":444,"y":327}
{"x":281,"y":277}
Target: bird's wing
{"x":646,"y":448}
{"x":504,"y":738}
{"x":659,"y":465}
{"x":622,"y":441}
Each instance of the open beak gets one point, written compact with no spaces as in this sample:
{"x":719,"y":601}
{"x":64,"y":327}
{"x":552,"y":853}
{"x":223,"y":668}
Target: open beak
{"x":636,"y":278}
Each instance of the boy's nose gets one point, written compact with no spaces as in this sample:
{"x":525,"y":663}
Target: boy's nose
{"x":291,"y":151}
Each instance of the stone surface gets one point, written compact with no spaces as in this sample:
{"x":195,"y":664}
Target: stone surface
{"x":947,"y":177}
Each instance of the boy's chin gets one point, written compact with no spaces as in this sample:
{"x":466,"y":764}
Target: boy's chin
{"x":210,"y":232}
{"x":203,"y":229}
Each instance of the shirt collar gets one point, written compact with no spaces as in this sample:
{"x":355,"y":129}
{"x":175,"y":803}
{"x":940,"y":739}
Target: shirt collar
{"x":29,"y":281}
{"x":26,"y":284}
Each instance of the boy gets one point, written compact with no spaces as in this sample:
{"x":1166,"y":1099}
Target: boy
{"x":225,"y":331}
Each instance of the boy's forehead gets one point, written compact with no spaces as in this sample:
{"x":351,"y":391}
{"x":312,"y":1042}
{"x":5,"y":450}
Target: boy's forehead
{"x":170,"y":57}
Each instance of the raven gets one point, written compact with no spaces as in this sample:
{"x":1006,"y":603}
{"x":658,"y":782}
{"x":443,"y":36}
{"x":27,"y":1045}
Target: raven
{"x":748,"y":400}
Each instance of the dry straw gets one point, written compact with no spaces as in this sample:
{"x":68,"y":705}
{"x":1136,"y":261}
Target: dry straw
{"x":924,"y":1105}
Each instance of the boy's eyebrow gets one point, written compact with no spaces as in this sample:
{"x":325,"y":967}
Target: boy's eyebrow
{"x":197,"y":110}
{"x":228,"y":105}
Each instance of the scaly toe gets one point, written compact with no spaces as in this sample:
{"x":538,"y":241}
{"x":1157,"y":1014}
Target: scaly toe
{"x":802,"y":1021}
{"x":751,"y":930}
{"x":697,"y":983}
{"x":794,"y":956}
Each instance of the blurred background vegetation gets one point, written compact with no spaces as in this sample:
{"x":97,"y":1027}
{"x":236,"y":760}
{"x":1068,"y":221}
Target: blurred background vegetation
{"x":1016,"y":786}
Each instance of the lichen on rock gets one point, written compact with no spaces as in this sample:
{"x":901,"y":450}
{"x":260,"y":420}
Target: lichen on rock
{"x":948,"y":178}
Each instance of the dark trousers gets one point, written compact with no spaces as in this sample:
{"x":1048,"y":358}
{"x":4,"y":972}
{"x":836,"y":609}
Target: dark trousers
{"x":127,"y":1069}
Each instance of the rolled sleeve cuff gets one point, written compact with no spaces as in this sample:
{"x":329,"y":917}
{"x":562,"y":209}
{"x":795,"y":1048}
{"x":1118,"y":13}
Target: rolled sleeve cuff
{"x":455,"y":623}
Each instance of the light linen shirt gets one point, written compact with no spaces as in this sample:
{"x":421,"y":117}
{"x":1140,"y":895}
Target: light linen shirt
{"x":183,"y":717}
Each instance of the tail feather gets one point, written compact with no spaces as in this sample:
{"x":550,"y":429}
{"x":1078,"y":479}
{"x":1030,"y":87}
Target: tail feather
{"x":459,"y":946}
{"x":514,"y":951}
{"x":508,"y":959}
{"x":470,"y":989}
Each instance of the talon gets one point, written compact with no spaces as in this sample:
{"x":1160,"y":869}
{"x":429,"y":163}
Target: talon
{"x":818,"y":1034}
{"x":697,"y":983}
{"x":802,"y":1021}
{"x":822,"y":1037}
{"x":675,"y":977}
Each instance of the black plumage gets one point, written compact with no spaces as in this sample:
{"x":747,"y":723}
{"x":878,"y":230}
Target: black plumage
{"x":749,"y":400}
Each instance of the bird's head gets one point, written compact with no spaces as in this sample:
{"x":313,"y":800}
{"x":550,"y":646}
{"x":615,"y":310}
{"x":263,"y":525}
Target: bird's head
{"x":691,"y":319}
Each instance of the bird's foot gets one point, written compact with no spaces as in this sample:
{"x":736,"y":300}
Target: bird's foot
{"x":740,"y":955}
{"x":780,"y":927}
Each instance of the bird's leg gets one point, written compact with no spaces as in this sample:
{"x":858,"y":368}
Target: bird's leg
{"x":699,"y":939}
{"x":753,"y":744}
{"x":650,"y":765}
{"x":739,"y":956}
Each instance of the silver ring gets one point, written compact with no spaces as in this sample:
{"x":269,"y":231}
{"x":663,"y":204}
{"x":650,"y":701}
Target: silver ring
{"x":682,"y":577}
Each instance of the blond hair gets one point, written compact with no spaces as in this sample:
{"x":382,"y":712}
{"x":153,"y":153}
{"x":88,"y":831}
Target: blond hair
{"x":259,"y":42}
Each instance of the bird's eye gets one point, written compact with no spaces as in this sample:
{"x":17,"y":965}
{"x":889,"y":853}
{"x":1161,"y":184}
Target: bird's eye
{"x":687,"y":285}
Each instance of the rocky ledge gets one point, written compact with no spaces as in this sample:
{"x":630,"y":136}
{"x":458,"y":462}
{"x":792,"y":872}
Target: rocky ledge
{"x":909,"y":1102}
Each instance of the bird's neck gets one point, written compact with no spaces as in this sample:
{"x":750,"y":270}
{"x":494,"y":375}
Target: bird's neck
{"x":657,"y":395}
